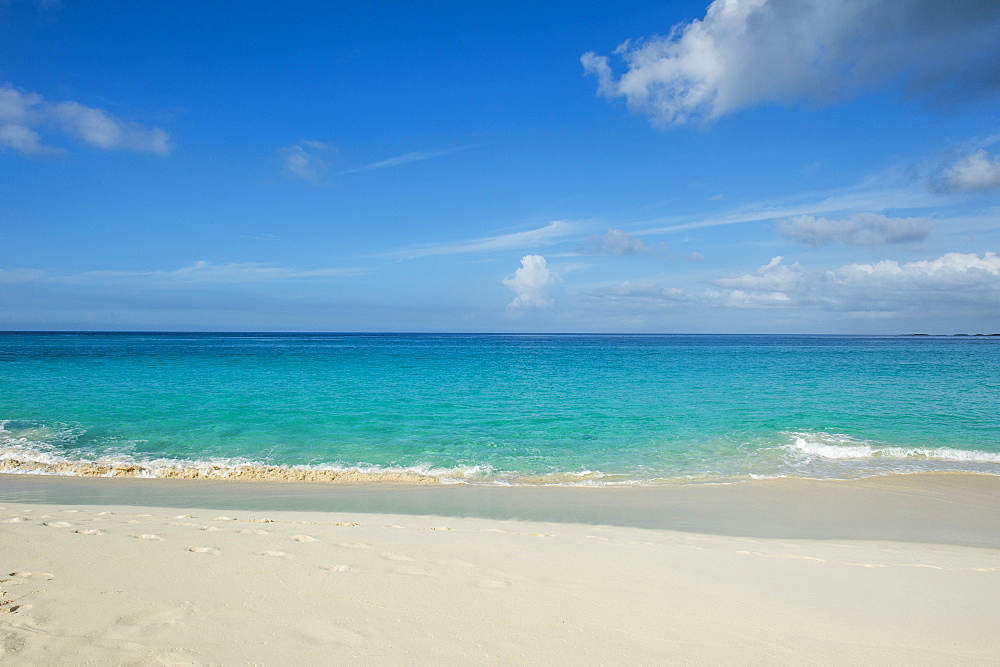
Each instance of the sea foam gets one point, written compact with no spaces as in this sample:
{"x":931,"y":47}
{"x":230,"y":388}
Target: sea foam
{"x":839,"y":446}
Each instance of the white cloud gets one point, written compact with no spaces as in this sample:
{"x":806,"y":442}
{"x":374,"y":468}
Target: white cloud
{"x":930,"y":289}
{"x":415,"y":156}
{"x":978,"y":171}
{"x":862,"y":229}
{"x":531,"y":284}
{"x":750,"y":52}
{"x":101,"y":129}
{"x":615,"y":242}
{"x":772,"y":277}
{"x":23,"y":114}
{"x":950,"y":280}
{"x":546,"y":235}
{"x":306,"y":160}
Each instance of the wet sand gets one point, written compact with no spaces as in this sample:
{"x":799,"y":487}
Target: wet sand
{"x":892,"y":569}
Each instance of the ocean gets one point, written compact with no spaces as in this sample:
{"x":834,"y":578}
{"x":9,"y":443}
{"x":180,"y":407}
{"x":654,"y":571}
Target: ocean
{"x":497,"y":409}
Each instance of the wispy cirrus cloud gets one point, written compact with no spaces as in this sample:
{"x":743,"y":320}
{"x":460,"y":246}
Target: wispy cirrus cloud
{"x":865,"y":198}
{"x":24,"y":117}
{"x":542,"y":236}
{"x":201,"y":272}
{"x":245,"y":272}
{"x":405,"y":158}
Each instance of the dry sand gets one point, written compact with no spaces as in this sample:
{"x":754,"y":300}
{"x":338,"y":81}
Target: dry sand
{"x":122,"y":583}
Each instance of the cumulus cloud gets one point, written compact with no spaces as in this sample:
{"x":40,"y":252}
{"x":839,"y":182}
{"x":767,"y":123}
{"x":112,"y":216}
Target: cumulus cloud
{"x":23,"y":115}
{"x":863,"y":229}
{"x":614,"y":242}
{"x":531,"y":284}
{"x":307,"y":160}
{"x":749,"y":52}
{"x":976,"y":172}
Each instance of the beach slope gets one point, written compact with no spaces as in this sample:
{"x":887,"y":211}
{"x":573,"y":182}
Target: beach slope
{"x":176,"y":585}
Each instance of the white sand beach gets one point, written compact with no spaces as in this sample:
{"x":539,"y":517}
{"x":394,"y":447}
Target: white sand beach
{"x":123,"y":583}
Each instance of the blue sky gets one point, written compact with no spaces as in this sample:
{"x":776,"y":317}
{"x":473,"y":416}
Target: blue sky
{"x":739,"y":166}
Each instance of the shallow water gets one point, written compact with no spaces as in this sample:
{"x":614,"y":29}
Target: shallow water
{"x":522,"y":409}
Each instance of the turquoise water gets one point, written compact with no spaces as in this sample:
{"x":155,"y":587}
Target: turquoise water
{"x":528,"y":409}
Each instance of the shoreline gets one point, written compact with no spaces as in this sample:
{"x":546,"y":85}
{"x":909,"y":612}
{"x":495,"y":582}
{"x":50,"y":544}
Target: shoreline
{"x":944,"y":508}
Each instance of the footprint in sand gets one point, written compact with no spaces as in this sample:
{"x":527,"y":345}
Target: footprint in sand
{"x":182,"y":516}
{"x":204,"y":550}
{"x":393,"y":556}
{"x":104,"y":513}
{"x":57,"y":524}
{"x":89,"y":531}
{"x":335,"y":568}
{"x":224,"y":518}
{"x":253,"y":531}
{"x":16,"y":519}
{"x":71,"y":511}
{"x":42,"y":575}
{"x":305,"y":538}
{"x":276,"y":554}
{"x":148,"y":536}
{"x":211,"y":528}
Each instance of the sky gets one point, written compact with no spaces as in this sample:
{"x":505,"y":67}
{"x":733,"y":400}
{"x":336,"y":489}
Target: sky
{"x":739,"y":166}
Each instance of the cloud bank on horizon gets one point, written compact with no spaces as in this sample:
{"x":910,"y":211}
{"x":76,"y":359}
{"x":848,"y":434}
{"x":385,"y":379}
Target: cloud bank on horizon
{"x":745,"y":165}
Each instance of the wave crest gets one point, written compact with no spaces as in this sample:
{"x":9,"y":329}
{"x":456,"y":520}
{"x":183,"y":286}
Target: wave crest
{"x":841,"y":447}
